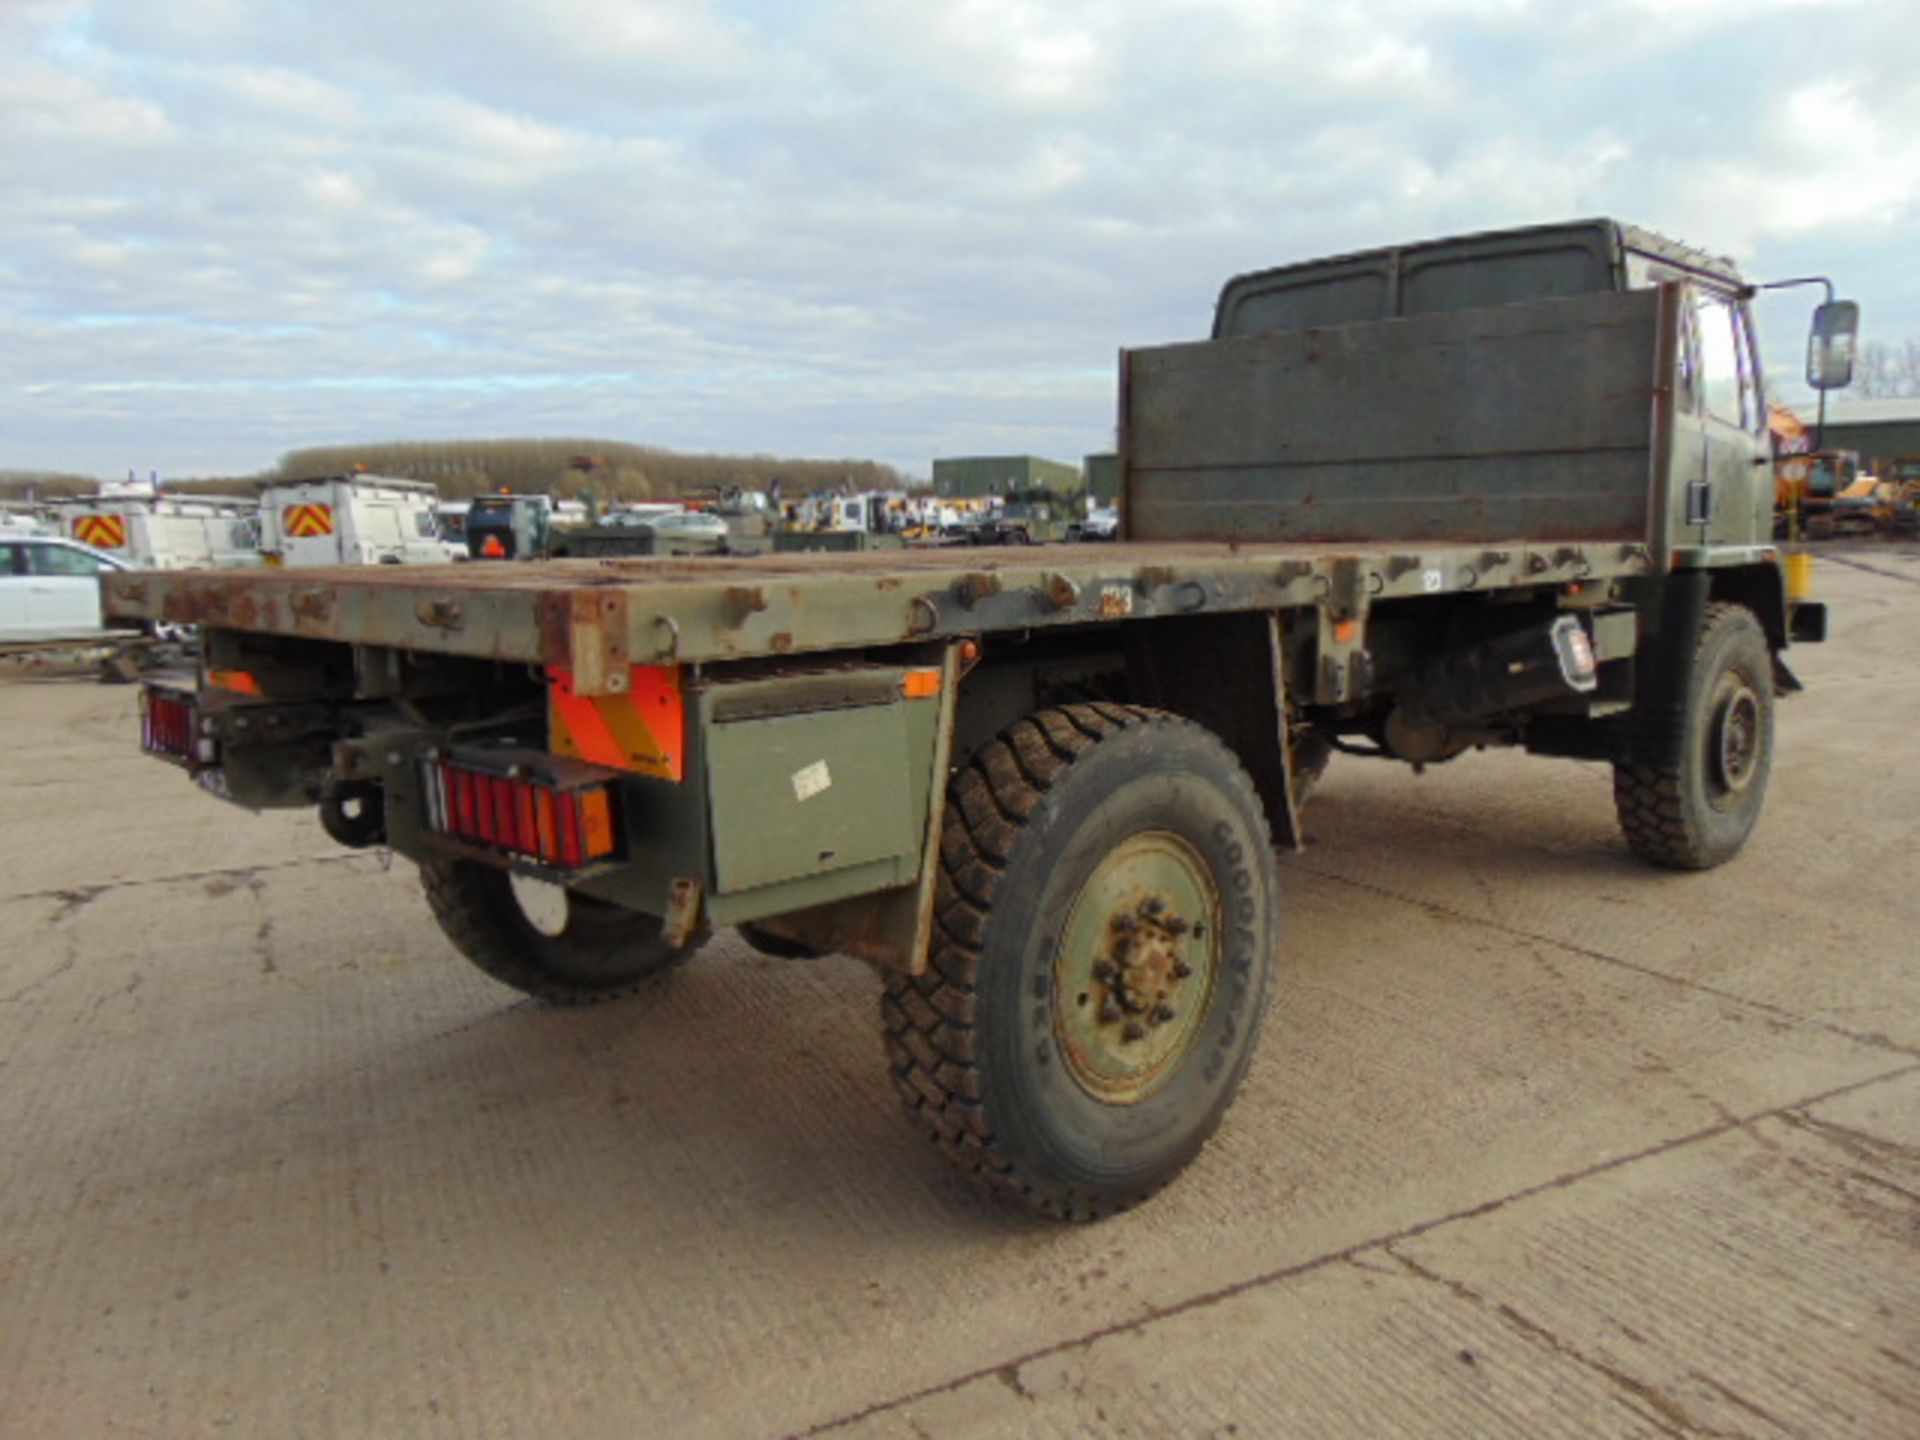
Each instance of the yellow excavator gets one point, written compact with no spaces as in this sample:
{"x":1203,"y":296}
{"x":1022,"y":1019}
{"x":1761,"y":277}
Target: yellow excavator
{"x":1807,"y":486}
{"x":1903,"y":481}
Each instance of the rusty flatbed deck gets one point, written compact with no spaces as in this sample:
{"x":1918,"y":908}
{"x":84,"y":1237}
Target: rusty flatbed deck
{"x":597,"y":617}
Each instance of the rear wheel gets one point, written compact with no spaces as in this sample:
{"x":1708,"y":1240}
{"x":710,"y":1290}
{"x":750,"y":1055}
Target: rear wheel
{"x":545,"y":940}
{"x":1107,"y":924}
{"x":1699,"y":813}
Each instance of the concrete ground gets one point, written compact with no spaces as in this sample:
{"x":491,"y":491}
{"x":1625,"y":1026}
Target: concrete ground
{"x":1539,"y":1142}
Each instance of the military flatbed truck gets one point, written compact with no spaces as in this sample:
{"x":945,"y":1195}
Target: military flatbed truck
{"x":1507,"y":489}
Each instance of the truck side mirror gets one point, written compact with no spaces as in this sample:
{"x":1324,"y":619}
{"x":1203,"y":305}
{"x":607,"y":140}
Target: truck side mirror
{"x":1830,"y":345}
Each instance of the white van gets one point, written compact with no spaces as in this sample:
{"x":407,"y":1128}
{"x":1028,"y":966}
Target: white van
{"x":353,"y":520}
{"x":149,"y":529}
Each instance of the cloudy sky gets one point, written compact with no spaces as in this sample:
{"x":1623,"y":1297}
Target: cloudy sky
{"x":893,"y":229}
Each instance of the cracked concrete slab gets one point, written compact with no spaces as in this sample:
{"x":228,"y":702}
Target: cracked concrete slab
{"x":279,"y":1162}
{"x":1811,"y":920}
{"x":1676,"y":1294}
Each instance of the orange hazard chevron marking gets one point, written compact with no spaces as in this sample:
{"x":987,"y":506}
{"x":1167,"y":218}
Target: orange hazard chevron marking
{"x":644,"y":730}
{"x":306,"y":522}
{"x":103,"y":532}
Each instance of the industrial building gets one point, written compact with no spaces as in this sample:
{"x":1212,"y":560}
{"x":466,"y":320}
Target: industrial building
{"x":973,"y":477}
{"x":1877,"y":429}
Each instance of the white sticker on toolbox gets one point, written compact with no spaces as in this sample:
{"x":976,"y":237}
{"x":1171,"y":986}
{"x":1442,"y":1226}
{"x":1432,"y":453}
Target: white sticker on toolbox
{"x":810,"y":781}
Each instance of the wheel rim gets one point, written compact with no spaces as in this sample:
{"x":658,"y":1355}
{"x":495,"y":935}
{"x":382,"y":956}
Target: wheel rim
{"x":543,"y":903}
{"x":1136,"y":966}
{"x":1735,"y":740}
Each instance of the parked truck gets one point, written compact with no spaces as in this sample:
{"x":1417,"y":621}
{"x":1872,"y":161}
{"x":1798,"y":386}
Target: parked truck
{"x":1499,"y":490}
{"x":510,"y":526}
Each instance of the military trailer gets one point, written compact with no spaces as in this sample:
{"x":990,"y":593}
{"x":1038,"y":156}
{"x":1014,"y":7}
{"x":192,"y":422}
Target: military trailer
{"x":1505,"y":489}
{"x":641,"y":538}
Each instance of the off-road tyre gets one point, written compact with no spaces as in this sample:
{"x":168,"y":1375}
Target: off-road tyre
{"x":604,"y":951}
{"x":974,"y":1043}
{"x":1699,"y":813}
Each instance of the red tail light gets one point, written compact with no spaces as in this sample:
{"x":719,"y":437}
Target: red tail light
{"x":565,"y":828}
{"x":167,"y":725}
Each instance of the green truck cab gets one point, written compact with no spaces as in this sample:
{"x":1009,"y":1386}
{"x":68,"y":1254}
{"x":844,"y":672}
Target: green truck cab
{"x":1493,"y":491}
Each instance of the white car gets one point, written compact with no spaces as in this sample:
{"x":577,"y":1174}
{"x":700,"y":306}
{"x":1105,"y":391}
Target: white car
{"x":689,"y":522}
{"x":643,"y":513}
{"x":50,"y":589}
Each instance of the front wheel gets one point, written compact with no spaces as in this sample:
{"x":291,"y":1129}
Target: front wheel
{"x":1108,"y":919}
{"x":545,"y":940}
{"x":1699,"y":813}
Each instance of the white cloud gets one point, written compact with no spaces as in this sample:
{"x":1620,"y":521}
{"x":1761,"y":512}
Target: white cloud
{"x":1028,"y":53}
{"x":42,"y":107}
{"x":855,"y":228}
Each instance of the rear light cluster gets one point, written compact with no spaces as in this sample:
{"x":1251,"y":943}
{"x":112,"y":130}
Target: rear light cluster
{"x":565,"y":828}
{"x":166,"y":726}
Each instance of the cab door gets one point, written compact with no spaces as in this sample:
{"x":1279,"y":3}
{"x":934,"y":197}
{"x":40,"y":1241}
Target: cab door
{"x":63,"y":591}
{"x":14,"y":581}
{"x":1721,"y":452}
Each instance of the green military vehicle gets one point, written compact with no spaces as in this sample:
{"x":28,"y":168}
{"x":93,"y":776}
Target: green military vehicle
{"x":1505,"y":489}
{"x":1035,"y":517}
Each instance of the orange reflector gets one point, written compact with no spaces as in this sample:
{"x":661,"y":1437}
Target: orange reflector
{"x":920,"y":684}
{"x":1345,"y":630}
{"x":240,"y":682}
{"x":643,"y":729}
{"x":596,"y":823}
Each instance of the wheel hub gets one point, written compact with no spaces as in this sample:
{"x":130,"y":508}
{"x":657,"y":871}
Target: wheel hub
{"x":1142,"y":972}
{"x":543,"y":903}
{"x":1736,"y":749}
{"x":1136,"y":966}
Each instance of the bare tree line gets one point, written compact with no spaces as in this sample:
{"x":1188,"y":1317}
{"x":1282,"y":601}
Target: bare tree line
{"x":608,"y":469}
{"x":1884,"y":372}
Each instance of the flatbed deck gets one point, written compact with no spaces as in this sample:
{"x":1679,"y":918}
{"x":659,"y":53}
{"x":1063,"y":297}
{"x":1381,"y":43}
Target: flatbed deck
{"x":597,"y":617}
